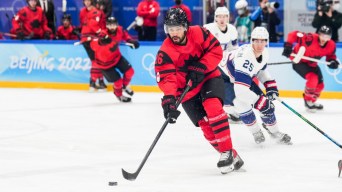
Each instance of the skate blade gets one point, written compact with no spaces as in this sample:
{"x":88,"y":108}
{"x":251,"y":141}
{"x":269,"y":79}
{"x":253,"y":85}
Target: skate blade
{"x":227,"y":169}
{"x":339,"y":168}
{"x":92,"y":90}
{"x":102,"y":90}
{"x":311,"y":110}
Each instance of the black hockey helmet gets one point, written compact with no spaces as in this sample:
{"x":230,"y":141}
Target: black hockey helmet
{"x":176,"y":17}
{"x":66,"y":17}
{"x":111,"y":20}
{"x":100,"y":2}
{"x":325,"y":30}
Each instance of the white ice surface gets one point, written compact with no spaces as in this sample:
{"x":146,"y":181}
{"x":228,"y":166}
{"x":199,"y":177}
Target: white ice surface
{"x":74,"y":141}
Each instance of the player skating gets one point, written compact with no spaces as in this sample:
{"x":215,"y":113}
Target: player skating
{"x":316,"y":46}
{"x":193,"y":53}
{"x":247,"y":62}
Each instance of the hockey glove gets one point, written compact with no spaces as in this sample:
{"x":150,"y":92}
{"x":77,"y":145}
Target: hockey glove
{"x":135,"y":43}
{"x":76,"y":31}
{"x":271,"y":89}
{"x":334,"y":64}
{"x":20,"y":35}
{"x":264,"y":105}
{"x":46,"y":35}
{"x":105,"y":40}
{"x":170,"y":109}
{"x":196,"y":73}
{"x":287,"y":49}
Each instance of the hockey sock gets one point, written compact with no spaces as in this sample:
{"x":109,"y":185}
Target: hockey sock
{"x":117,"y":87}
{"x":218,"y":121}
{"x":319,"y":89}
{"x":127,"y":77}
{"x":95,"y":74}
{"x":208,"y":132}
{"x":310,"y":87}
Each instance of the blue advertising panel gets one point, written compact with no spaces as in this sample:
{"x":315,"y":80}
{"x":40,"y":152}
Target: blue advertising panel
{"x":41,"y":61}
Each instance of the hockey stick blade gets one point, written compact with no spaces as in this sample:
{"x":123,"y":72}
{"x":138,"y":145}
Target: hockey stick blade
{"x":129,"y":176}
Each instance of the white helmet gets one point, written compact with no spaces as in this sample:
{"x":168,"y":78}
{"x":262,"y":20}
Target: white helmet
{"x":221,"y":11}
{"x":259,"y":33}
{"x":240,"y":4}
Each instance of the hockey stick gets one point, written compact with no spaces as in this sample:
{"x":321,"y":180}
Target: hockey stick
{"x":137,"y":21}
{"x":133,"y":176}
{"x":296,"y":59}
{"x":307,"y":121}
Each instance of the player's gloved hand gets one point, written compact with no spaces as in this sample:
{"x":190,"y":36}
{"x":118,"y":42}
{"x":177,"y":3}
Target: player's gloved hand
{"x":333,"y":64}
{"x":105,"y":40}
{"x":287,"y":49}
{"x":271,"y":89}
{"x":47,"y":35}
{"x":135,"y":43}
{"x":264,"y":105}
{"x":76,"y":31}
{"x":196,"y":73}
{"x":170,"y":109}
{"x":20,"y":35}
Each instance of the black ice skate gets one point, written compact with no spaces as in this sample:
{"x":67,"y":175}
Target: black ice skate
{"x":92,"y":86}
{"x":229,"y":163}
{"x":128,"y":90}
{"x":312,"y":107}
{"x":281,"y":138}
{"x":124,"y":99}
{"x":102,"y":86}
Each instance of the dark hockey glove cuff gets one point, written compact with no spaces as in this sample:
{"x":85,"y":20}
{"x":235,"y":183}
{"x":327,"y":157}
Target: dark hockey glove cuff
{"x":287,"y":49}
{"x":196,"y":73}
{"x":135,"y":43}
{"x":271,"y":89}
{"x":170,"y":109}
{"x":333,"y":64}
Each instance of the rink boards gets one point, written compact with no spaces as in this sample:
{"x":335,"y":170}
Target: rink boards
{"x":61,"y":65}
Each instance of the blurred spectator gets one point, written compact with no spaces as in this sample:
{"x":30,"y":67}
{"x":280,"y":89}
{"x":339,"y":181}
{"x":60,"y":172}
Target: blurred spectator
{"x":265,"y":16}
{"x":1,"y":37}
{"x":100,"y":5}
{"x":243,"y":23}
{"x":66,"y":31}
{"x":105,"y":6}
{"x":49,"y":11}
{"x":30,"y":23}
{"x":149,"y":11}
{"x":328,"y":15}
{"x":186,"y":9}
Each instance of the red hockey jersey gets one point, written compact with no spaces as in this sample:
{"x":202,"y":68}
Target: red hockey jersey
{"x":66,"y":33}
{"x":106,"y":56}
{"x":172,"y":60}
{"x":120,"y":35}
{"x":31,"y":22}
{"x":313,"y":49}
{"x":91,"y":23}
{"x":149,"y":10}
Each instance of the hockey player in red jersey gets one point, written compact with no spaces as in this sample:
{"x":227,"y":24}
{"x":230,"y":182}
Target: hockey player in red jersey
{"x":193,"y":53}
{"x":66,"y":31}
{"x":118,"y":34}
{"x":30,"y":23}
{"x":317,"y":46}
{"x":90,"y":21}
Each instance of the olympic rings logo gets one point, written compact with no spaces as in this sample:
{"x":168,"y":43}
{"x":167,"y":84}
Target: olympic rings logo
{"x":335,"y":73}
{"x":148,"y":64}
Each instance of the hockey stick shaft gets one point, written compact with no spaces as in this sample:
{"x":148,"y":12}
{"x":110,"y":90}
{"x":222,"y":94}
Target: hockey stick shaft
{"x":308,"y":122}
{"x":280,"y":63}
{"x":133,"y":176}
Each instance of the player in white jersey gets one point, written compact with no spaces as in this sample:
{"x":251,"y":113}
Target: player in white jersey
{"x":247,"y":62}
{"x":227,"y":35}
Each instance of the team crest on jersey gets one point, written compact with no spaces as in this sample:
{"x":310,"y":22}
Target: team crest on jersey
{"x":97,"y":19}
{"x":299,"y":34}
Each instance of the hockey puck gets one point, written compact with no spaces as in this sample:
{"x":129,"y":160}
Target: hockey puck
{"x":112,"y":183}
